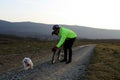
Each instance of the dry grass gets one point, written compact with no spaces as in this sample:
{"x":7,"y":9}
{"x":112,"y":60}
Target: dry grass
{"x":105,"y":64}
{"x":24,"y":46}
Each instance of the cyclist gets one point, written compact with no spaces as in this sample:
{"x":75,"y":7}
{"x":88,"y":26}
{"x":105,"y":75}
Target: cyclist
{"x":67,"y":39}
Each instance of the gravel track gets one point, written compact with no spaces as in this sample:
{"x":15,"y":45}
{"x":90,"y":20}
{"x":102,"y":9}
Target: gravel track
{"x":44,"y":70}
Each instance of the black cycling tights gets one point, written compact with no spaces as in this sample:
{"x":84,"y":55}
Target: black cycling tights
{"x":68,"y":47}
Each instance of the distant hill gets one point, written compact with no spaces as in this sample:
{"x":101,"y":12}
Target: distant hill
{"x":43,"y":31}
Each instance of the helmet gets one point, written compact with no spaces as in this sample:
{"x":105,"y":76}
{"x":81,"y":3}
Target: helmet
{"x":55,"y":27}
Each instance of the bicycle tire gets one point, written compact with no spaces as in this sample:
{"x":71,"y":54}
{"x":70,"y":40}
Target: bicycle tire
{"x":56,"y":55}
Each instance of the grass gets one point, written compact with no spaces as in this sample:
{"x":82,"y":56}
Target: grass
{"x":16,"y":46}
{"x":105,"y":63}
{"x":24,"y":46}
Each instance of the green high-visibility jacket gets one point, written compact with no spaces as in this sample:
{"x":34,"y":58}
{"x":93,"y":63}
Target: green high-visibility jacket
{"x":65,"y":33}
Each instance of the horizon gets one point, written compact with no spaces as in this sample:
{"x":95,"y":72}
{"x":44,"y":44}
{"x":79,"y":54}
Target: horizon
{"x":58,"y":24}
{"x":103,"y":14}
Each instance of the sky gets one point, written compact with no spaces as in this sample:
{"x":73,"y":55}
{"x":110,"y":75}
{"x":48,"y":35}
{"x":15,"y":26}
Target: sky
{"x":103,"y":14}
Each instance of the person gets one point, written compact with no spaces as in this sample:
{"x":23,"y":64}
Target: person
{"x":67,"y":39}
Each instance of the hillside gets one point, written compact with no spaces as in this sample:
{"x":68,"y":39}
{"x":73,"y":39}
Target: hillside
{"x":43,"y":31}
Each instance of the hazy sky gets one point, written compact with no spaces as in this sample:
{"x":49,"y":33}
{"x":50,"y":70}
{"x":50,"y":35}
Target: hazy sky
{"x":91,"y":13}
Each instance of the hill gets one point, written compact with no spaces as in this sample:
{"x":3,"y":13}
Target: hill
{"x":43,"y":31}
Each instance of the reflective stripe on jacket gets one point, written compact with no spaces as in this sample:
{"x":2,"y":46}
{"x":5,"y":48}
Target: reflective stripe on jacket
{"x":65,"y":33}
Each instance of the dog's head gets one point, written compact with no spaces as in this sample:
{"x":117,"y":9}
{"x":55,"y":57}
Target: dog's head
{"x":27,"y":63}
{"x":26,"y":60}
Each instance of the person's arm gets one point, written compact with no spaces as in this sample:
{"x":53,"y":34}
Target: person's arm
{"x":62,"y":40}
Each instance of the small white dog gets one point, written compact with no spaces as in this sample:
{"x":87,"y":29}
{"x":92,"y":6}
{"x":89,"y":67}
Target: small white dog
{"x":27,"y":63}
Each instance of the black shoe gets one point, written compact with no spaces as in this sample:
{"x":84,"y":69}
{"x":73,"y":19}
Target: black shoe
{"x":63,"y":60}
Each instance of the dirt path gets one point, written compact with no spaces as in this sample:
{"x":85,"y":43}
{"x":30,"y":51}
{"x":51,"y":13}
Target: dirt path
{"x":58,"y":71}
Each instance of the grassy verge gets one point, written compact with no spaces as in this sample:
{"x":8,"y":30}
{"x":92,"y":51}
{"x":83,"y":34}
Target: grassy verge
{"x":24,"y":46}
{"x":14,"y":46}
{"x":105,"y":63}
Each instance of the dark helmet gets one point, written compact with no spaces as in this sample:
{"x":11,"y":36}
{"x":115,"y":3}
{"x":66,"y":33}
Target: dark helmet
{"x":55,"y":27}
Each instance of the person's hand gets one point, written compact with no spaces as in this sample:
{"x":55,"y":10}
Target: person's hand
{"x":54,"y":49}
{"x":53,"y":33}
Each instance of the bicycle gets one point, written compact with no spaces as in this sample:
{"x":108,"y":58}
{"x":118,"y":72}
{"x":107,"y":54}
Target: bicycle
{"x":58,"y":55}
